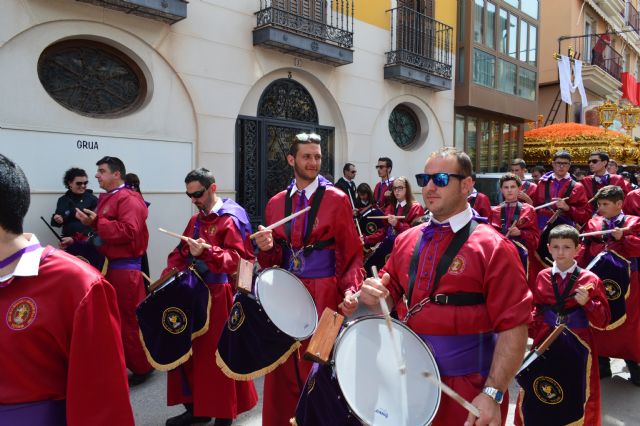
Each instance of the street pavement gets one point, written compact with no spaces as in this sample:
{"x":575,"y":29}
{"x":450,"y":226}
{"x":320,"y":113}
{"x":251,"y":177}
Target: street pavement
{"x":620,"y":401}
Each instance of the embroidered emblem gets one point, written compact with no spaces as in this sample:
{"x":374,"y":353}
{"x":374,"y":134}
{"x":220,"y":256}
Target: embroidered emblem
{"x":457,"y":265}
{"x":296,"y":262}
{"x":21,"y":313}
{"x":174,"y":320}
{"x":548,"y":390}
{"x":212,"y":230}
{"x":236,"y":317}
{"x":612,"y":288}
{"x":371,"y":227}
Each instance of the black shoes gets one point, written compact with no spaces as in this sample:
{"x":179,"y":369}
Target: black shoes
{"x":605,"y":367}
{"x":186,"y":419}
{"x":138,"y":379}
{"x":634,"y":372}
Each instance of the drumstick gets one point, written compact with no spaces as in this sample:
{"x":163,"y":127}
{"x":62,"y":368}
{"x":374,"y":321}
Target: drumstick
{"x":183,"y":237}
{"x":585,"y":287}
{"x":51,"y":229}
{"x":387,"y":318}
{"x":385,"y":217}
{"x":608,"y":231}
{"x":453,"y":394}
{"x":550,"y":203}
{"x":281,"y":221}
{"x":146,"y":277}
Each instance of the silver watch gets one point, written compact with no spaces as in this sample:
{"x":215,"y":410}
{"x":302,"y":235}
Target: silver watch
{"x":494,"y":393}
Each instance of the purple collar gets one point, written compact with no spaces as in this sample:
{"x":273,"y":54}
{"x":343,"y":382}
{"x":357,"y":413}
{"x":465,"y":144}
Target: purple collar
{"x":8,"y":260}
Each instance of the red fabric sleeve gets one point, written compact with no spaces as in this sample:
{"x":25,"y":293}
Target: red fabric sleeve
{"x":127,"y":226}
{"x":349,"y":253}
{"x":482,"y":205}
{"x":528,"y":226}
{"x":225,"y":260}
{"x":632,"y":203}
{"x":415,"y":211}
{"x":96,"y":363}
{"x":578,"y":209}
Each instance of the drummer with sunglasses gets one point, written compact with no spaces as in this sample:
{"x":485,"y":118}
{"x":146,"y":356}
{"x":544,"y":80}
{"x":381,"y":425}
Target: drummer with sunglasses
{"x":199,"y":383}
{"x":321,"y":247}
{"x":472,"y":309}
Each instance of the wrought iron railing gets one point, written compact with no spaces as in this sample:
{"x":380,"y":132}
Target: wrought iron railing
{"x":633,"y":20}
{"x":325,"y":20}
{"x":420,"y":41}
{"x":595,"y":49}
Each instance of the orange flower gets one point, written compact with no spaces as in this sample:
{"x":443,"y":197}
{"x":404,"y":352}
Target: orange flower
{"x":571,"y":131}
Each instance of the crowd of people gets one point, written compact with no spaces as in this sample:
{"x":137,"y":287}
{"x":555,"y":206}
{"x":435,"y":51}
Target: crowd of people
{"x":472,"y":280}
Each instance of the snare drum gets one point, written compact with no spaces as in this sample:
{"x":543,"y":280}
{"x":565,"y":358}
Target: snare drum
{"x":370,"y":381}
{"x":264,"y":328}
{"x":175,"y":312}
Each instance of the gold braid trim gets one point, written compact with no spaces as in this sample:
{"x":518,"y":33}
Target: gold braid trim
{"x":259,"y":373}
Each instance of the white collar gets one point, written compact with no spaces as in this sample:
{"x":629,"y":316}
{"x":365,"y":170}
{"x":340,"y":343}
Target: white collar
{"x":458,"y":220}
{"x":29,"y":262}
{"x":387,"y":181}
{"x":614,"y":219}
{"x":474,"y":193}
{"x":308,"y":191}
{"x":216,"y":206}
{"x":563,"y":274}
{"x":567,"y":176}
{"x":401,"y":203}
{"x":347,"y":179}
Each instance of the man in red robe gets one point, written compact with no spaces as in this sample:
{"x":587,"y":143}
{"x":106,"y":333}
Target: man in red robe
{"x":517,"y":221}
{"x":382,"y":191}
{"x":598,"y":162}
{"x":528,"y":188}
{"x":62,"y":358}
{"x":225,"y":226}
{"x":476,"y":326}
{"x":321,"y":247}
{"x":631,"y":204}
{"x":479,"y":201}
{"x":621,"y":341}
{"x":120,"y":222}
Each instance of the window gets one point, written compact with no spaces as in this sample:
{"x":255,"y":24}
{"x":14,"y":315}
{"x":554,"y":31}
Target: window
{"x":461,"y":16}
{"x":472,"y":140}
{"x":530,"y":7}
{"x":491,"y":26}
{"x":404,"y":126}
{"x":483,"y":68}
{"x":496,"y":162}
{"x":506,"y":77}
{"x":513,"y":3}
{"x":506,"y":147}
{"x":478,"y":14}
{"x":515,"y":140}
{"x":502,"y":31}
{"x":533,"y":41}
{"x":460,"y":65}
{"x":513,"y":35}
{"x":459,"y":136}
{"x":527,"y":85}
{"x":524,"y":32}
{"x":588,"y":44}
{"x":485,"y":160}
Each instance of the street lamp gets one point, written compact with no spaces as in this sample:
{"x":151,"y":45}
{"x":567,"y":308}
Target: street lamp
{"x":607,"y":113}
{"x":629,"y":117}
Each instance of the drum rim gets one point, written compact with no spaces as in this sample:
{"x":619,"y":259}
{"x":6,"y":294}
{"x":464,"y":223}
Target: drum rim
{"x":307,"y":293}
{"x":349,"y":325}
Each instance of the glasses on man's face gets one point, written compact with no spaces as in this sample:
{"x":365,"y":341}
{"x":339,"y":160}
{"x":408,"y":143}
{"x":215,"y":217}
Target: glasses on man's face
{"x":561,"y":163}
{"x":381,"y":167}
{"x":439,"y":179}
{"x":353,"y":172}
{"x":85,"y":183}
{"x":196,"y":194}
{"x":398,"y":188}
{"x":594,"y":161}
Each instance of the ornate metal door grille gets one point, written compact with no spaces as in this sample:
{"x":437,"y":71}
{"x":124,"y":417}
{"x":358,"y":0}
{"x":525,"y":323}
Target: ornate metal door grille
{"x":285,"y":109}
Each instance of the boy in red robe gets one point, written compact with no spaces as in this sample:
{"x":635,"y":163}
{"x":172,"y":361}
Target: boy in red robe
{"x":517,"y":221}
{"x":567,"y":294}
{"x":225,"y":226}
{"x":62,"y":360}
{"x":321,"y":247}
{"x":598,"y":162}
{"x":621,"y":341}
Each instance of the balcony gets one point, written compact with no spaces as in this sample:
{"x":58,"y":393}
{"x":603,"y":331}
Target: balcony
{"x":169,"y":11}
{"x":320,"y":30}
{"x":632,"y":20}
{"x":612,"y":11}
{"x":421,"y":50}
{"x":601,"y":63}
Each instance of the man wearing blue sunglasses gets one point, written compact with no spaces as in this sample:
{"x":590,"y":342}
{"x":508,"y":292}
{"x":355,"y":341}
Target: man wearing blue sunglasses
{"x":466,"y":290}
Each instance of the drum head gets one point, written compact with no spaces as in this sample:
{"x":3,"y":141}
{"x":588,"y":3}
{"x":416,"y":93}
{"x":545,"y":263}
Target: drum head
{"x":370,"y":379}
{"x":287,"y":302}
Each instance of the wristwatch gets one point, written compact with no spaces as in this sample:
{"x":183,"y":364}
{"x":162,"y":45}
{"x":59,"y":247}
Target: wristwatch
{"x":494,"y":393}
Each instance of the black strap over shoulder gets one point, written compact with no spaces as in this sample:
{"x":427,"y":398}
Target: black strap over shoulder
{"x":567,"y":193}
{"x":313,"y":213}
{"x":558,"y":307}
{"x":456,"y":243}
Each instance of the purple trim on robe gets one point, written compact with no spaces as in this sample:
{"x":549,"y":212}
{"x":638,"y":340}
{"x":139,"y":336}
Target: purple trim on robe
{"x":133,"y":263}
{"x":575,"y":319}
{"x":41,"y":413}
{"x":237,"y":213}
{"x":315,"y":264}
{"x":215,"y":278}
{"x":462,"y":355}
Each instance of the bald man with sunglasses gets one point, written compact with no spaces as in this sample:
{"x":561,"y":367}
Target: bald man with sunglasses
{"x":452,"y":271}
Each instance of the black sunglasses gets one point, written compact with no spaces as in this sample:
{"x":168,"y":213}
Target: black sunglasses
{"x":439,"y":179}
{"x":594,"y":161}
{"x":85,"y":183}
{"x":196,"y":194}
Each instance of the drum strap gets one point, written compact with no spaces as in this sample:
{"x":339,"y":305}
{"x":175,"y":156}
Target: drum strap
{"x":547,"y":193}
{"x":504,"y":218}
{"x":558,"y":307}
{"x":458,"y":299}
{"x":313,"y":213}
{"x":604,"y":227}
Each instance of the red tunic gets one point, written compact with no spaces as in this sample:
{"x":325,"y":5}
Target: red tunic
{"x":334,"y":220}
{"x":597,"y":312}
{"x":212,"y":393}
{"x":121,"y":225}
{"x":479,"y":267}
{"x":615,"y":342}
{"x":480,"y":203}
{"x":527,"y":224}
{"x":591,"y":187}
{"x":67,"y":344}
{"x":578,"y":211}
{"x":378,"y":193}
{"x":410,"y":212}
{"x":529,"y":188}
{"x":632,"y":203}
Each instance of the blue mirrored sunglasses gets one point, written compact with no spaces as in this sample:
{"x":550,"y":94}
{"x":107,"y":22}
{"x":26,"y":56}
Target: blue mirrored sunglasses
{"x":439,"y":179}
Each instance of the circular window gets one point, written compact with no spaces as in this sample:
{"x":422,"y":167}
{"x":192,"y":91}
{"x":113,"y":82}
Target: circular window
{"x":91,"y":78}
{"x":404,"y":126}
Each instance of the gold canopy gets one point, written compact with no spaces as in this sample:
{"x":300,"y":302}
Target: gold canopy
{"x":580,"y":140}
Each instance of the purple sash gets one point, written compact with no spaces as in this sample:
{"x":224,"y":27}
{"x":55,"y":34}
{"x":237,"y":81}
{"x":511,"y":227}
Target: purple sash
{"x":215,"y":278}
{"x":462,"y":355}
{"x":575,"y":319}
{"x":134,"y":263}
{"x":317,"y":263}
{"x":41,"y":413}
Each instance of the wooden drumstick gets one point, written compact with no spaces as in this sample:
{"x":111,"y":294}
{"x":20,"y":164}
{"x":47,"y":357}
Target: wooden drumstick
{"x":183,"y":237}
{"x":281,"y":221}
{"x":453,"y":394}
{"x":608,"y":231}
{"x":550,"y":203}
{"x":146,"y":277}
